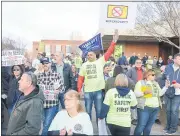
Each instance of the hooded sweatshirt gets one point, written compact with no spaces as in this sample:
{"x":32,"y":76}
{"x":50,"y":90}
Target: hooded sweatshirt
{"x":116,"y":106}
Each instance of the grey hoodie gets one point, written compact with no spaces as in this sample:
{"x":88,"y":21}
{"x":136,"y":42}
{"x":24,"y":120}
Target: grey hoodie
{"x":26,"y":117}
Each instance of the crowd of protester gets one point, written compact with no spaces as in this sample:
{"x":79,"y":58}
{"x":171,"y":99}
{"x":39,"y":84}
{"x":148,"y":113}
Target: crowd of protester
{"x":43,"y":96}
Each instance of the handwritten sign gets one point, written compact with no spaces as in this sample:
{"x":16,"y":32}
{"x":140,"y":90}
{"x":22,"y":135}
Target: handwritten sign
{"x":12,"y":57}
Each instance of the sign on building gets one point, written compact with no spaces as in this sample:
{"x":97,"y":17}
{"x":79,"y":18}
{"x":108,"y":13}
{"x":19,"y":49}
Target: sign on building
{"x":117,"y":15}
{"x":12,"y":57}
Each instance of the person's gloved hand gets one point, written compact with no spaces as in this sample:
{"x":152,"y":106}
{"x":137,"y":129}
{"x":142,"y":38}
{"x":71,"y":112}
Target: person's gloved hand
{"x":4,"y":96}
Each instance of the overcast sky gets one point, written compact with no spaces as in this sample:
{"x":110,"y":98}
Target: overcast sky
{"x":33,"y":21}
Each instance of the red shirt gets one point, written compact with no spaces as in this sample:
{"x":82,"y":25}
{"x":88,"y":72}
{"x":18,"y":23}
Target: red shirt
{"x":139,"y":74}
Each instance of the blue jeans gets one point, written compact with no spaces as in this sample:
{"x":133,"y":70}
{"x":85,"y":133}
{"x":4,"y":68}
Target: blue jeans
{"x":95,"y":97}
{"x":172,"y":112}
{"x":61,"y":99}
{"x":146,"y":119}
{"x":49,"y":114}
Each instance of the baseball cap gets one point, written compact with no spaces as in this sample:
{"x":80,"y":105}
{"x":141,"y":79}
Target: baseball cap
{"x":45,"y":60}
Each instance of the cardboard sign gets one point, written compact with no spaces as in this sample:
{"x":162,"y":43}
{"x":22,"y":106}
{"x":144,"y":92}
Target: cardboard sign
{"x":117,"y":15}
{"x":12,"y":57}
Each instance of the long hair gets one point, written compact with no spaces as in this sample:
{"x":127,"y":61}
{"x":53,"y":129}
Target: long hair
{"x":75,"y":94}
{"x":22,"y":68}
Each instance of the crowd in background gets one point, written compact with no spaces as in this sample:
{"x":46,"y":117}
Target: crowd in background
{"x":124,"y":91}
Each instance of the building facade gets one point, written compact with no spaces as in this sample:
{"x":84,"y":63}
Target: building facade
{"x":52,"y":46}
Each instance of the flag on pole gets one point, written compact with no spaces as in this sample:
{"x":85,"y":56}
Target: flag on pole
{"x":93,"y":44}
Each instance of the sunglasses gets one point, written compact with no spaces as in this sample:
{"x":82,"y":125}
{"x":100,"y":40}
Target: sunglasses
{"x":16,"y":69}
{"x":152,"y":75}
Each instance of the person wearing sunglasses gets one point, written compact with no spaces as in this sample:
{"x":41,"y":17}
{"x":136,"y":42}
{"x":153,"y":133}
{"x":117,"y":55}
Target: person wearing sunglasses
{"x":148,"y":93}
{"x":13,"y":92}
{"x":51,"y":83}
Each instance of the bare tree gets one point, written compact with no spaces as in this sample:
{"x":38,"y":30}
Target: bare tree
{"x":8,"y":44}
{"x":160,"y":19}
{"x":11,"y":44}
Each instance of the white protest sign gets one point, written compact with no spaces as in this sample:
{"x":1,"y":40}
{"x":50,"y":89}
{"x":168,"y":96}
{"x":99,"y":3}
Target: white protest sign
{"x":117,"y":15}
{"x":12,"y":57}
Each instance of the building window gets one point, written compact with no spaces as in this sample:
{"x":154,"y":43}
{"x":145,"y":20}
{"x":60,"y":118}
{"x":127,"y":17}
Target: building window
{"x":48,"y":49}
{"x":68,"y":49}
{"x":58,"y":48}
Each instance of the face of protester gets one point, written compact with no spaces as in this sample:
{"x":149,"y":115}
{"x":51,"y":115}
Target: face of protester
{"x":73,"y":69}
{"x":16,"y":71}
{"x":58,"y":57}
{"x":170,"y":57}
{"x":138,"y":63}
{"x":91,"y":56}
{"x":151,"y":76}
{"x":24,"y":83}
{"x":177,"y":61}
{"x":52,"y":56}
{"x":70,"y":102}
{"x":106,"y":70}
{"x":39,"y":56}
{"x":27,"y":64}
{"x":46,"y":67}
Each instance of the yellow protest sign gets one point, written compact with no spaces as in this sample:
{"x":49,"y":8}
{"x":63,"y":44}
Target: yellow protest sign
{"x":41,"y":47}
{"x":115,"y":11}
{"x":117,"y":51}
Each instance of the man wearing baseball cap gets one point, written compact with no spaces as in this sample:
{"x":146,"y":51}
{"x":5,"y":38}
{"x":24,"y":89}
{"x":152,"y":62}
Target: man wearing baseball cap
{"x":51,"y":83}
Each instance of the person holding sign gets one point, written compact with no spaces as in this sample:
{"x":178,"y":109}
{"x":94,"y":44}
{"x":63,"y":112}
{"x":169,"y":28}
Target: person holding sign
{"x":117,"y":104}
{"x":148,"y":93}
{"x":51,"y":83}
{"x":91,"y":74}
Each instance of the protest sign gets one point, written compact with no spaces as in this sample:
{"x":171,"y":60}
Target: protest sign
{"x":94,"y":44}
{"x":12,"y":57}
{"x":116,"y":15}
{"x":117,"y":52}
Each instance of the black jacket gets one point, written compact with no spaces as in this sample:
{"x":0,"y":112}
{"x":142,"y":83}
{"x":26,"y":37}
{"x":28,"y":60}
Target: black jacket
{"x":133,"y":60}
{"x":30,"y":69}
{"x":5,"y":81}
{"x":27,"y":114}
{"x":13,"y":91}
{"x":69,"y":82}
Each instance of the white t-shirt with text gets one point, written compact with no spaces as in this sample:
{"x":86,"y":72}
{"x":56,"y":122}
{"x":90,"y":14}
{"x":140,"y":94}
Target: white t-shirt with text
{"x":80,"y":124}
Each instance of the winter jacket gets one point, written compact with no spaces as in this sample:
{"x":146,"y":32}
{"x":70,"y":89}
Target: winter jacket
{"x":161,"y":80}
{"x":133,"y":60}
{"x":27,"y":69}
{"x":68,"y":76}
{"x":27,"y":114}
{"x":13,"y":91}
{"x":159,"y":64}
{"x":122,"y":61}
{"x":173,"y":75}
{"x":132,"y":74}
{"x":5,"y":81}
{"x":75,"y":78}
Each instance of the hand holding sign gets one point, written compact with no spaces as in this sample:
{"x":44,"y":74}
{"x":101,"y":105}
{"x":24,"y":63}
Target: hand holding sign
{"x":115,"y":36}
